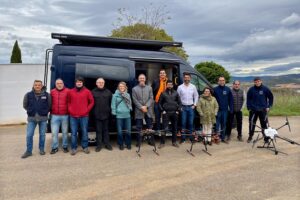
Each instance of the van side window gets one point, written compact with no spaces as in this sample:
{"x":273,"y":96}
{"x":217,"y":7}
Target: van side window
{"x":112,"y":72}
{"x":198,"y":82}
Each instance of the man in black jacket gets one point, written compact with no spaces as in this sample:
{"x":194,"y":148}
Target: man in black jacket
{"x":259,"y":102}
{"x":170,"y":106}
{"x":102,"y":110}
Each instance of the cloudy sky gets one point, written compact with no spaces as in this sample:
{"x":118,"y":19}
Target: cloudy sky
{"x":249,"y":37}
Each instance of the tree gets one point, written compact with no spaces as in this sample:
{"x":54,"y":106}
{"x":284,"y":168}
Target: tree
{"x":212,"y":71}
{"x":16,"y":56}
{"x":146,"y":26}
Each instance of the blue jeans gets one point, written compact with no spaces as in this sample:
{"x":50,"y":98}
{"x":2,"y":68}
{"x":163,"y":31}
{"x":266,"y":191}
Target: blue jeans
{"x":58,"y":121}
{"x":75,"y":122}
{"x":30,"y":132}
{"x":124,"y":126}
{"x":157,"y":116}
{"x":221,"y":123}
{"x":187,"y":121}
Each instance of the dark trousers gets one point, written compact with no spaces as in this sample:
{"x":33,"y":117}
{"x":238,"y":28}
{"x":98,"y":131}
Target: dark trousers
{"x":239,"y":122}
{"x":102,"y":136}
{"x":222,"y":123}
{"x":173,"y":118}
{"x":253,"y":115}
{"x":139,"y":126}
{"x":157,"y":116}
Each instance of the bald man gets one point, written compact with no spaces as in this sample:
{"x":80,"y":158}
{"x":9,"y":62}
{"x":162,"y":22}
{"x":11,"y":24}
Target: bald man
{"x":102,"y":110}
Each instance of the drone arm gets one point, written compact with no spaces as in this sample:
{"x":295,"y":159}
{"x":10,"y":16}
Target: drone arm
{"x":288,"y":140}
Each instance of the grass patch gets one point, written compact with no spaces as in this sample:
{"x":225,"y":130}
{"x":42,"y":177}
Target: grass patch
{"x":286,"y":103}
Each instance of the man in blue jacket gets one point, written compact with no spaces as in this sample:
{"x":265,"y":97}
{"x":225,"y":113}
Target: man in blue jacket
{"x":259,"y":102}
{"x":37,"y":103}
{"x":224,"y":97}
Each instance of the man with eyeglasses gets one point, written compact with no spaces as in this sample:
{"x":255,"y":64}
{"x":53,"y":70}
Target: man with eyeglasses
{"x":238,"y":102}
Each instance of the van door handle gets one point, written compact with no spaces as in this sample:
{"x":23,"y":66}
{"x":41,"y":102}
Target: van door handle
{"x":176,"y":80}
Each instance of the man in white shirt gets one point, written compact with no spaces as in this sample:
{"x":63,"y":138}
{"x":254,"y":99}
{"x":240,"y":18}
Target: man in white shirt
{"x":189,"y":97}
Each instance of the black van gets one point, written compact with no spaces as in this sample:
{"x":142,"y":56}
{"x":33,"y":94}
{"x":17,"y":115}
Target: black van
{"x":115,"y":60}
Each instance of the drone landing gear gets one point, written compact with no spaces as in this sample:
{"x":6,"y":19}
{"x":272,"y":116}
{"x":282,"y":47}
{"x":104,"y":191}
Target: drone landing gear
{"x":271,"y":146}
{"x":147,"y":136}
{"x":204,"y":150}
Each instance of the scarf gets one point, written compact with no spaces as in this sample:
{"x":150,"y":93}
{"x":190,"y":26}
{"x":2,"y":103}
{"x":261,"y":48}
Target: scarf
{"x":127,"y":100}
{"x":162,"y":87}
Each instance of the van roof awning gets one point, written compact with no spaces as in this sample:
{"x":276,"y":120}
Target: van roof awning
{"x":121,"y":43}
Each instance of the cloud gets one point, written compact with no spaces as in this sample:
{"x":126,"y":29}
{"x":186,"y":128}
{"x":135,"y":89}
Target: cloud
{"x":293,"y":19}
{"x":266,"y":45}
{"x":282,"y":67}
{"x":246,"y":35}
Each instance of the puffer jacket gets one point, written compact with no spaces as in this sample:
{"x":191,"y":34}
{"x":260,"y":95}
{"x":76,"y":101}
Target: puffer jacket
{"x":207,"y":108}
{"x":59,"y":101}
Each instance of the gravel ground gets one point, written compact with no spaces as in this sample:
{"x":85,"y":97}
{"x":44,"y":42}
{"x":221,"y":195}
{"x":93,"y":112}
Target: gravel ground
{"x":234,"y":171}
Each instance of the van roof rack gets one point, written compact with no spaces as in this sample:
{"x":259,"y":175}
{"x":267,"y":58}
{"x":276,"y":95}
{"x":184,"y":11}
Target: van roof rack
{"x":123,"y":43}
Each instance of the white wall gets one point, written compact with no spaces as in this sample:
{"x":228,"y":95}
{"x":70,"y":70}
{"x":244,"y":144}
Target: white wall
{"x":15,"y":81}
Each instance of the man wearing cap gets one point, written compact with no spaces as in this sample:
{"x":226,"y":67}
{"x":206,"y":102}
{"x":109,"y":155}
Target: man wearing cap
{"x":259,"y":102}
{"x":80,"y":103}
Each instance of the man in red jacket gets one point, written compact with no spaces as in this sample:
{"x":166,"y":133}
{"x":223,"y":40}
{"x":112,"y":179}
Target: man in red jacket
{"x":80,"y":103}
{"x":59,"y":115}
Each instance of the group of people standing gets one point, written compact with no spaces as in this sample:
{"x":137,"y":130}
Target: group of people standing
{"x":71,"y":107}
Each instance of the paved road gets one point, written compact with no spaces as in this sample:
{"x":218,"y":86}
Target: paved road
{"x":234,"y":171}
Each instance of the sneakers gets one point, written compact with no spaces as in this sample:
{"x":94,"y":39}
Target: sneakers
{"x":53,"y":151}
{"x":98,"y":149}
{"x":129,"y":147}
{"x":182,"y":142}
{"x":175,"y":145}
{"x":66,"y":150}
{"x":160,"y":146}
{"x":86,"y":150}
{"x":73,"y":152}
{"x":249,"y":139}
{"x":108,"y":147}
{"x":121,"y":147}
{"x":42,"y":152}
{"x":26,"y":155}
